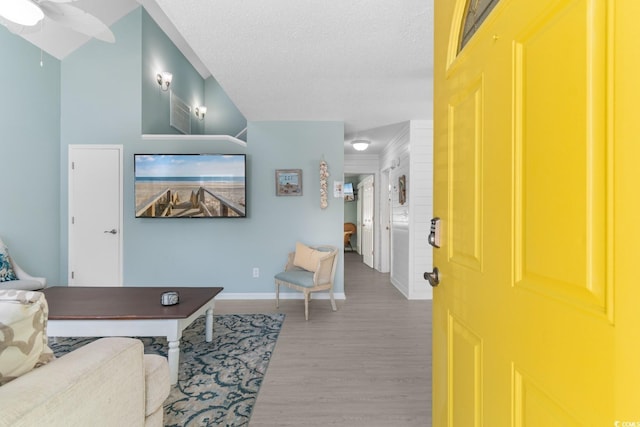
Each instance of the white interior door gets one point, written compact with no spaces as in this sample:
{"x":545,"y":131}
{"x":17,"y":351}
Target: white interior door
{"x":95,"y":215}
{"x":367,"y":221}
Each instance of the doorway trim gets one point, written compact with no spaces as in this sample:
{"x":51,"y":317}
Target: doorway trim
{"x":367,"y":164}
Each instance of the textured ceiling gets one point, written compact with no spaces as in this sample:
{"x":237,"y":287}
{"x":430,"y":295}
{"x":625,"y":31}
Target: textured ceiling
{"x":365,"y":62}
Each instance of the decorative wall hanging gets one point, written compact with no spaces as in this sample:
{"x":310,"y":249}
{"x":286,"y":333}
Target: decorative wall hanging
{"x":402,"y":189}
{"x":324,"y":174}
{"x":289,"y":182}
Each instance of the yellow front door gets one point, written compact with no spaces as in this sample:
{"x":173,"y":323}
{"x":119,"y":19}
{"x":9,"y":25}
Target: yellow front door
{"x":535,"y":321}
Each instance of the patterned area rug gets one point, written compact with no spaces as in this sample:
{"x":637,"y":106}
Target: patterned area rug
{"x":218,"y":382}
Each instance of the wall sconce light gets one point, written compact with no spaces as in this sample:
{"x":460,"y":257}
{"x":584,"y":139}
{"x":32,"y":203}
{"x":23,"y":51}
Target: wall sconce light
{"x":360,"y":144}
{"x":164,"y":79}
{"x":200,"y":112}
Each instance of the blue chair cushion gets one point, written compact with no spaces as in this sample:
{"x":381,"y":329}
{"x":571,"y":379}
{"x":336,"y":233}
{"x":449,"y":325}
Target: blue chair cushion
{"x":297,"y":277}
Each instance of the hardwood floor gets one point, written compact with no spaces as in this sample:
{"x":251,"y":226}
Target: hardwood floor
{"x":368,"y":364}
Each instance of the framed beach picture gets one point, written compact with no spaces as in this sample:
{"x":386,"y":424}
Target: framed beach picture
{"x":289,"y":182}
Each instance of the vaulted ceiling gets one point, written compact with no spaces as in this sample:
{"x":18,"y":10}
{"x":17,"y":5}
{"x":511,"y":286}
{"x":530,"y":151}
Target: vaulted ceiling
{"x":365,"y":62}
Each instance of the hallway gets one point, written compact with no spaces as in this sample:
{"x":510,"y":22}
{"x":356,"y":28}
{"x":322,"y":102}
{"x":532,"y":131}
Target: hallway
{"x":368,"y":364}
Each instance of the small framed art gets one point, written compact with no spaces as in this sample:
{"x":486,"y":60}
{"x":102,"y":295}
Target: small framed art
{"x":289,"y":182}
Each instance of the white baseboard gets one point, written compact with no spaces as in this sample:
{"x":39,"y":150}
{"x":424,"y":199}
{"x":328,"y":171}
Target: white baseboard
{"x":401,"y":287}
{"x":421,"y":296}
{"x":272,"y":296}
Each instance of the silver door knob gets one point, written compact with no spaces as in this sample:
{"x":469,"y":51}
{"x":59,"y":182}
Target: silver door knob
{"x":112,"y":231}
{"x":433,"y":278}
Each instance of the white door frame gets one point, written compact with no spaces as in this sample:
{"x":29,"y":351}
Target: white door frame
{"x":369,"y":253}
{"x":71,"y":249}
{"x":359,"y":221}
{"x":368,"y":165}
{"x":384,"y":222}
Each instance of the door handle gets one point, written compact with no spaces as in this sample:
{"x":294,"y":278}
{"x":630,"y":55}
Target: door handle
{"x":112,"y":231}
{"x":433,"y":278}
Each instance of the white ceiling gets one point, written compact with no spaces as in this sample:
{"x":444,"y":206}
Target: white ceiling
{"x":365,"y":62}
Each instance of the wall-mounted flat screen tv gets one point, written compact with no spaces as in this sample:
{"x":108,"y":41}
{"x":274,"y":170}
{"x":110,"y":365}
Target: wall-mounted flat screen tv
{"x":190,"y":185}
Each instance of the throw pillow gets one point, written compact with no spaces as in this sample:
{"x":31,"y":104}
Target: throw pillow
{"x":306,"y":257}
{"x":23,"y":333}
{"x":6,"y":270}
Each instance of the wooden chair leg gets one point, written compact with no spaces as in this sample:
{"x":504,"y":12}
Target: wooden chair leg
{"x":333,"y":301}
{"x":277,"y":295}
{"x":306,"y":306}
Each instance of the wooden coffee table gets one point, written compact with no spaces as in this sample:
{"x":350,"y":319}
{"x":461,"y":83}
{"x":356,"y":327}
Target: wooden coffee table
{"x":129,"y":311}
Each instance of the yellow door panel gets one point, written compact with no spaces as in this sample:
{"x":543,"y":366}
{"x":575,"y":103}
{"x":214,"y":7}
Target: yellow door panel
{"x":560,"y":145}
{"x":465,"y":154}
{"x":534,"y":407}
{"x":466,"y":402}
{"x":534,"y":152}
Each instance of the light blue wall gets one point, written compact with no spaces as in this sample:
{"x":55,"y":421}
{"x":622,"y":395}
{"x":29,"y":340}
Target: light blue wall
{"x":30,"y":149}
{"x":223,"y":117}
{"x":223,"y":252}
{"x":160,"y":54}
{"x":281,"y":221}
{"x":100,"y":102}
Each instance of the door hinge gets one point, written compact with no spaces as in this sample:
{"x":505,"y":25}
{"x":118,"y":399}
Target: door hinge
{"x":73,"y":165}
{"x":73,"y":220}
{"x":73,"y":275}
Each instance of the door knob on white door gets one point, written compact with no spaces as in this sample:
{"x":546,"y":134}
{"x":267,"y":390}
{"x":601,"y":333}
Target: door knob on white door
{"x":112,"y":231}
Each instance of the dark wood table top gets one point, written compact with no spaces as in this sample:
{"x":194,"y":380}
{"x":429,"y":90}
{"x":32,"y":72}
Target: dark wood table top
{"x":118,"y":303}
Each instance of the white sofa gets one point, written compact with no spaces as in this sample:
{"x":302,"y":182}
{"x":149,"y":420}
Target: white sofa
{"x":109,"y":382}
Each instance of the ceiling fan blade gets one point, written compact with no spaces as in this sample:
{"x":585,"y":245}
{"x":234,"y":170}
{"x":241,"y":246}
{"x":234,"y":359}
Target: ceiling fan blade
{"x":61,"y":1}
{"x":19,"y":29}
{"x":77,"y":20}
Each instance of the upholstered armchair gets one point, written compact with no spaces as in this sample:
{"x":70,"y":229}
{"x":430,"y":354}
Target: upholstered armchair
{"x":25,"y":280}
{"x":12,"y":276}
{"x":309,"y":269}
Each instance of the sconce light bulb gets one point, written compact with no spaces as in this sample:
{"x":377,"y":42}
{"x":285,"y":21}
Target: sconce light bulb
{"x":200,"y":112}
{"x":164,"y":79}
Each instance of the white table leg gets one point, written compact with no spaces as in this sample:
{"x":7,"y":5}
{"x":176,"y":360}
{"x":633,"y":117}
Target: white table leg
{"x":209,"y":325}
{"x":174,"y":360}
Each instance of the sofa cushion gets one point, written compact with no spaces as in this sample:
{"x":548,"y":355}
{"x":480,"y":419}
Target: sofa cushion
{"x":6,"y":270}
{"x":157,"y":383}
{"x":297,"y":277}
{"x":23,"y":333}
{"x":99,"y":384}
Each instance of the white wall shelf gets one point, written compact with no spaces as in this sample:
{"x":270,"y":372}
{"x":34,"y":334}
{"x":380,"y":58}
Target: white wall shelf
{"x":170,"y":137}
